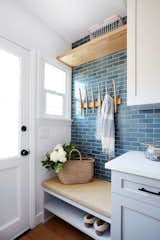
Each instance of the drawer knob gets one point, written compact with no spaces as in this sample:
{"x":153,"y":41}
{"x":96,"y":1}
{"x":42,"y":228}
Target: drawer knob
{"x":147,"y":191}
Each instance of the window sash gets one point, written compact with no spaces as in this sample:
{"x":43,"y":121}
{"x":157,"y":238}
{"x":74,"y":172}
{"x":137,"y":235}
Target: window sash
{"x":59,"y":69}
{"x":41,"y":90}
{"x":64,"y":96}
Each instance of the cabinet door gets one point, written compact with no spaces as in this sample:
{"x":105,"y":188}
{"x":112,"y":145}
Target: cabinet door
{"x":134,"y":220}
{"x":143,"y":52}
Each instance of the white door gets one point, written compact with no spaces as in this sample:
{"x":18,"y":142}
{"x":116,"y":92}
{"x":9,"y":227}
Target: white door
{"x":14,"y":179}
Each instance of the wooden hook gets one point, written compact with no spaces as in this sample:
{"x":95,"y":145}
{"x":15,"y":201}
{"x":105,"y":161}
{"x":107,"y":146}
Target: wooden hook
{"x":81,"y":102}
{"x":115,"y":96}
{"x":93,"y":102}
{"x":87,"y":102}
{"x":99,"y":96}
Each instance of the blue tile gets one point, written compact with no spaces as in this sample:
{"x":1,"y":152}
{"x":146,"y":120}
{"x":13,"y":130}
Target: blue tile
{"x":132,"y":124}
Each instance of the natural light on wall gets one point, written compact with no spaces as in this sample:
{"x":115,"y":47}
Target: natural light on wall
{"x":9,"y":104}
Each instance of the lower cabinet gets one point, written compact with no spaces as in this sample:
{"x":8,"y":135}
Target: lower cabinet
{"x":135,"y":197}
{"x":134,"y":220}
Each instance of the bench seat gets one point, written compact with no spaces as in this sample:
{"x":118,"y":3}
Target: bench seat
{"x":95,"y":195}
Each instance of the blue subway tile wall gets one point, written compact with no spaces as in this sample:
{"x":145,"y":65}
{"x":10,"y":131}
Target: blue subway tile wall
{"x":132,"y":124}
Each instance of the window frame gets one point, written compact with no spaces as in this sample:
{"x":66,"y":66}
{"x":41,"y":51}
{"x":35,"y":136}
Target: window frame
{"x":43,"y":92}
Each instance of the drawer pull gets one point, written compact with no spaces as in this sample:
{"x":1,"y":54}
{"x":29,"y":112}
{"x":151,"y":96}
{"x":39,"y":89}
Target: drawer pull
{"x":147,"y":191}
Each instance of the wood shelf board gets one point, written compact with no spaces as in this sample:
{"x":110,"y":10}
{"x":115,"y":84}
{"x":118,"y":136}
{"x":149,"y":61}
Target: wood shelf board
{"x":73,"y":216}
{"x":99,"y":47}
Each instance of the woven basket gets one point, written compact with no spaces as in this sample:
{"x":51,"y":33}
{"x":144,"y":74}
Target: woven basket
{"x":77,"y":171}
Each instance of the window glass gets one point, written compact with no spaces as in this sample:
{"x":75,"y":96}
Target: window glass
{"x":55,"y":79}
{"x":54,"y":104}
{"x":9,"y":104}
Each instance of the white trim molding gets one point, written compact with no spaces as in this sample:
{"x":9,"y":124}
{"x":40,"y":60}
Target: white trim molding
{"x":38,"y":218}
{"x":32,"y":143}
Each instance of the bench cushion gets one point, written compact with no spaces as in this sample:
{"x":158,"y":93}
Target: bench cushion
{"x":95,"y":195}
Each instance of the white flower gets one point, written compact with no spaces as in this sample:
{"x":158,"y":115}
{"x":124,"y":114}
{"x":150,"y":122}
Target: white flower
{"x":62,"y":155}
{"x":58,"y":146}
{"x":54,"y":156}
{"x":58,"y":154}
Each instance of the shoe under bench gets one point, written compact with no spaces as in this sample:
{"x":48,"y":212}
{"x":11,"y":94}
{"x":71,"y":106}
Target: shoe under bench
{"x":72,"y":202}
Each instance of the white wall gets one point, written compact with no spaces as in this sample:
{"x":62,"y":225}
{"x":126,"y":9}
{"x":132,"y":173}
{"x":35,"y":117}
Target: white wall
{"x":19,"y":26}
{"x":49,"y":134}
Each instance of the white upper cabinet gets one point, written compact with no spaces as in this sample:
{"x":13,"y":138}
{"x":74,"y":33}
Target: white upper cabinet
{"x":143,"y":52}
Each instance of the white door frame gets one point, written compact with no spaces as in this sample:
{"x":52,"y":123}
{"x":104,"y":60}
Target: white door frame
{"x":32,"y":144}
{"x":32,"y":78}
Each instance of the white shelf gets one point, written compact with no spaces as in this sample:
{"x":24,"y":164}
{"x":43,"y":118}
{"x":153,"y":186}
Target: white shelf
{"x":73,"y":216}
{"x":75,"y":204}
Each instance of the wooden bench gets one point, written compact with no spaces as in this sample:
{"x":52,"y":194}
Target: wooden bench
{"x":72,"y":202}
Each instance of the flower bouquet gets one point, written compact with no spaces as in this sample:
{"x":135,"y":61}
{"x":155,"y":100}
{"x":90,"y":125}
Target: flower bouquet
{"x":56,"y":159}
{"x":69,"y":171}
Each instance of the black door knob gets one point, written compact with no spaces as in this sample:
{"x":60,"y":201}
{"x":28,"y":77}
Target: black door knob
{"x":24,"y":152}
{"x":23,"y":128}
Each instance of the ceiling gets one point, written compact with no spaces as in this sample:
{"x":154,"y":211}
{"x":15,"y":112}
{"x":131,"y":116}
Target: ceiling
{"x":72,"y":18}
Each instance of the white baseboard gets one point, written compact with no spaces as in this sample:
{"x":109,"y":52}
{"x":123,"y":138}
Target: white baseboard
{"x":38,"y":218}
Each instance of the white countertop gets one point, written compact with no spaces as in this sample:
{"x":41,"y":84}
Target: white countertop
{"x":134,"y":162}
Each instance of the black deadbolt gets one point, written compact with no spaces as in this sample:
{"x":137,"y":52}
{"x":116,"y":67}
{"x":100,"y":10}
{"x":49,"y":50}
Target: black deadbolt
{"x":24,"y":152}
{"x":23,"y":128}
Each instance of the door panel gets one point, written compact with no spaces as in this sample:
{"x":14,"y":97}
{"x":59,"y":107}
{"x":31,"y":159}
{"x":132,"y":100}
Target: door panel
{"x":14,"y":175}
{"x":9,"y":177}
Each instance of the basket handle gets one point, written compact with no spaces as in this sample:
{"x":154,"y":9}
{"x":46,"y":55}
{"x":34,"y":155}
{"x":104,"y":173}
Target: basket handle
{"x":75,"y":150}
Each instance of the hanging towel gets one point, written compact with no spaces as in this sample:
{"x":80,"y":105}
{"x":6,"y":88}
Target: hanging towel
{"x":105,"y":130}
{"x":98,"y":124}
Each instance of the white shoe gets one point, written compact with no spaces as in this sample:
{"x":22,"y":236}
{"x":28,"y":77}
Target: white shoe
{"x":89,"y":220}
{"x":100,"y":226}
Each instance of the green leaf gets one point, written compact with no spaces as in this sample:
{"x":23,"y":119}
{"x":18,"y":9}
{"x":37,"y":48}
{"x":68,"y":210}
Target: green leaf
{"x":68,"y":148}
{"x":58,"y":167}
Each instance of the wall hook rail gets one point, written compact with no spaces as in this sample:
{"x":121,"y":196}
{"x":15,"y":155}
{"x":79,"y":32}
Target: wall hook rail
{"x":93,"y":104}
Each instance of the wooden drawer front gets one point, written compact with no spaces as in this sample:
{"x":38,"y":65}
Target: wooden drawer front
{"x":136,"y":187}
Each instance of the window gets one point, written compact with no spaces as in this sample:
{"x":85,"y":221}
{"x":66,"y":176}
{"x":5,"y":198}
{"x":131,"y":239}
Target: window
{"x":55,"y":91}
{"x":9,"y":104}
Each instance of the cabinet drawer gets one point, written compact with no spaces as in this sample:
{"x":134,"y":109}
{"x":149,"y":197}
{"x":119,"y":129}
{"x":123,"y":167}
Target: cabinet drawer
{"x":140,"y":188}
